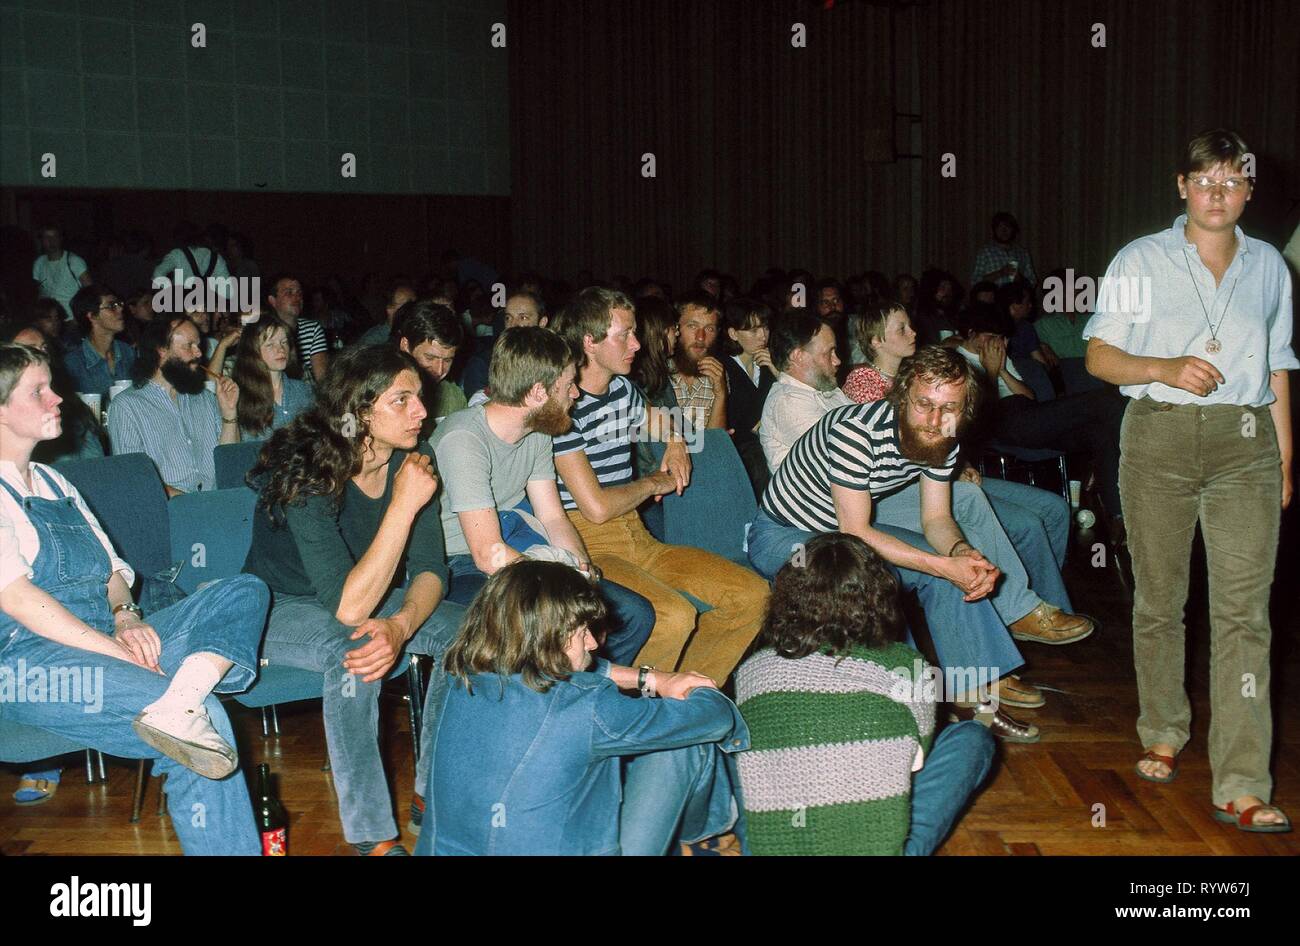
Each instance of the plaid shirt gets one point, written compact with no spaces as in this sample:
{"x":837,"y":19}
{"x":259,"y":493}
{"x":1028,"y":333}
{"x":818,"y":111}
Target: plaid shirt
{"x":994,"y":256}
{"x":694,"y":397}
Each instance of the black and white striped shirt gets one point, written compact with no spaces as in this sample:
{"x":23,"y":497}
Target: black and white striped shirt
{"x":606,"y":427}
{"x":855,"y":447}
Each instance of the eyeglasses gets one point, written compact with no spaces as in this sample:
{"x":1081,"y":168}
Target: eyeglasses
{"x":925,"y":406}
{"x":113,"y":306}
{"x":1230,"y":185}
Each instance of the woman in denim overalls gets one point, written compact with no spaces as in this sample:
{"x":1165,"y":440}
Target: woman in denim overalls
{"x":143,"y":691}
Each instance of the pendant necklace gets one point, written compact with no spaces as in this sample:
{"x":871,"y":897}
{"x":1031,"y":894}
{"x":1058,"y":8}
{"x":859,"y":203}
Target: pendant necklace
{"x":1213,"y":346}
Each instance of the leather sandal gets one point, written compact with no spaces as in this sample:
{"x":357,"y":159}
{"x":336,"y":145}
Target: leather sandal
{"x":35,"y":791}
{"x":1166,"y":760}
{"x":1245,"y":820}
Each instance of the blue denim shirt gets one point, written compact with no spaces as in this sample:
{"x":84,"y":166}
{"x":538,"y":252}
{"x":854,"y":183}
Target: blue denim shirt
{"x":521,"y":772}
{"x":89,"y":370}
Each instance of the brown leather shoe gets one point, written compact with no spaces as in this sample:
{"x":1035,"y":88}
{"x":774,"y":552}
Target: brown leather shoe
{"x":1049,"y":625}
{"x":1006,"y":728}
{"x":1012,"y":691}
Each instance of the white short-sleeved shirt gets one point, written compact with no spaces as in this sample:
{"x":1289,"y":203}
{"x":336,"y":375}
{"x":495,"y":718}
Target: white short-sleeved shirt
{"x":19,"y":542}
{"x":59,"y":279}
{"x":1250,"y":309}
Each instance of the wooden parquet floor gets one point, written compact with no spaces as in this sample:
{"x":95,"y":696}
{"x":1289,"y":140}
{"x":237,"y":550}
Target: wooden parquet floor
{"x":1041,"y":800}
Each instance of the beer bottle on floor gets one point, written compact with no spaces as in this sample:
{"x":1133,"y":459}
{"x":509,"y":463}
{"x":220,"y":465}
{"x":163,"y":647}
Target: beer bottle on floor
{"x":272,"y":821}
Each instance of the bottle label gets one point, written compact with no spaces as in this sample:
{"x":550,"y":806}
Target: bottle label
{"x":275,"y":843}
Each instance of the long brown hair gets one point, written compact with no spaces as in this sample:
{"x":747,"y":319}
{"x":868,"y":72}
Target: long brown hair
{"x":653,"y":366}
{"x":323,"y":447}
{"x":256,"y":407}
{"x":522,"y":621}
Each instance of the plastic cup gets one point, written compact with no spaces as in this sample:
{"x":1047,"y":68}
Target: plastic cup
{"x":1076,"y":489}
{"x":94,"y":402}
{"x":117,"y":388}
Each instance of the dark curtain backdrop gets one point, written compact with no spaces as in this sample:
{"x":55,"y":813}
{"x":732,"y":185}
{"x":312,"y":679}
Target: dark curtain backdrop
{"x":765,"y":153}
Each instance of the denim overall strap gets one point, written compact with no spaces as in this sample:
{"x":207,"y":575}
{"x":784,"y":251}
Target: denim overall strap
{"x":71,"y":566}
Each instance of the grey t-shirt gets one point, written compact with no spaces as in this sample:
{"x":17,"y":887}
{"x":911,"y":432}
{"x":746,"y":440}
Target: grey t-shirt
{"x":479,"y":470}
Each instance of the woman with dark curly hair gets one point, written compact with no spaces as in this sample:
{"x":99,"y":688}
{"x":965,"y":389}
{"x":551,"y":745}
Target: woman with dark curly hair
{"x":841,"y":717}
{"x":346,"y":515}
{"x":268,"y":397}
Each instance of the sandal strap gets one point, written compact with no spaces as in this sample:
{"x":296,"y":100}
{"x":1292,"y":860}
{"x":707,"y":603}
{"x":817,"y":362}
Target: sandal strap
{"x":36,"y":784}
{"x":1166,"y":760}
{"x":1246,"y":818}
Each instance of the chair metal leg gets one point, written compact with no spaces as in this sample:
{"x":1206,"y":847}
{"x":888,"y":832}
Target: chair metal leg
{"x":275,"y":719}
{"x":90,"y":773}
{"x":1002,"y":465}
{"x":162,"y":795}
{"x":1065,"y":479}
{"x":416,"y":707}
{"x":103,"y":776}
{"x":265,"y":731}
{"x":138,"y":802}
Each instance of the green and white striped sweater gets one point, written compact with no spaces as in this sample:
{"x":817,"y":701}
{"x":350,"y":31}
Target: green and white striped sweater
{"x":834,"y":742}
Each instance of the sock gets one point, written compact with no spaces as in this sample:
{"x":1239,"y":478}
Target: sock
{"x":194,"y":680}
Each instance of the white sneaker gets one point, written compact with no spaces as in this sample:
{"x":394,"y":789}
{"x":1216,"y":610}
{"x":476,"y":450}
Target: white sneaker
{"x":189,"y":738}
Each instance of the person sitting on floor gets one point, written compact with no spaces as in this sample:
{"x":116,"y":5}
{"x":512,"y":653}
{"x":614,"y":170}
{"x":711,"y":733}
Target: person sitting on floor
{"x":537,"y":751}
{"x":348,"y":535}
{"x":595,"y":462}
{"x":842,"y":759}
{"x":66,"y":610}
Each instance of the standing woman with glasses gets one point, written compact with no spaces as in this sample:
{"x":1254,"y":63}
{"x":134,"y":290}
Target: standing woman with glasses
{"x":1206,"y":436}
{"x":269,"y":398}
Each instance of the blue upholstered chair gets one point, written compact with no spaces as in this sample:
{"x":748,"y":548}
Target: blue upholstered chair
{"x":210,"y":535}
{"x":715,"y":510}
{"x":234,"y":460}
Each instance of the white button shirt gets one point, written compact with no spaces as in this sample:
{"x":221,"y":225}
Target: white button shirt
{"x":790,"y":409}
{"x":1250,"y":309}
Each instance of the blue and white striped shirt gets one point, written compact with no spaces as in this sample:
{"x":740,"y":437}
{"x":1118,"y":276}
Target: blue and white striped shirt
{"x":178,"y":435}
{"x":855,"y":447}
{"x":605,"y":426}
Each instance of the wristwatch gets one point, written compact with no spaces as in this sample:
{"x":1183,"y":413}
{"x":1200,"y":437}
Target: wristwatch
{"x":644,"y":684}
{"x":128,"y":606}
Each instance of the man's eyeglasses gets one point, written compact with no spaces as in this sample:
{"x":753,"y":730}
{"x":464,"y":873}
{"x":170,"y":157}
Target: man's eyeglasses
{"x":113,"y":306}
{"x":1230,"y":185}
{"x":925,"y":406}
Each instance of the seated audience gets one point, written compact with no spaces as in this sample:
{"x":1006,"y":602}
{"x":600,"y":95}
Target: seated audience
{"x":523,"y":307}
{"x":538,"y":752}
{"x":431,"y":334}
{"x":841,"y":715}
{"x":599,"y":490}
{"x":400,"y":292}
{"x":750,"y":375}
{"x":802,"y":348}
{"x":66,"y":605}
{"x":1015,"y":301}
{"x":938,"y":302}
{"x":1003,"y":259}
{"x":268,"y":398}
{"x":1036,"y":521}
{"x":101,"y":359}
{"x":496,"y":461}
{"x":82,"y":436}
{"x":168,"y":414}
{"x":58,"y":273}
{"x":196,"y":255}
{"x":698,"y":379}
{"x":856,"y":465}
{"x":1080,"y":423}
{"x":285,"y":297}
{"x":1061,"y":330}
{"x":348,"y":536}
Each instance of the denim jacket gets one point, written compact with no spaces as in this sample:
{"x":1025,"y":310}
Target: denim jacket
{"x":521,"y":772}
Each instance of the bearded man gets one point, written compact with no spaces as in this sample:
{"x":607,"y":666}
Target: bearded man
{"x":168,"y":415}
{"x":850,"y":463}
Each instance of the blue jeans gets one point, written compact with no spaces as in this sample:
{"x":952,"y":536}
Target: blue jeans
{"x":211,"y":816}
{"x":965,"y":634}
{"x":633,"y":617}
{"x":301,"y":633}
{"x":1038,"y":523}
{"x":958,"y":763}
{"x":1026,"y":564}
{"x":675,"y":796}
